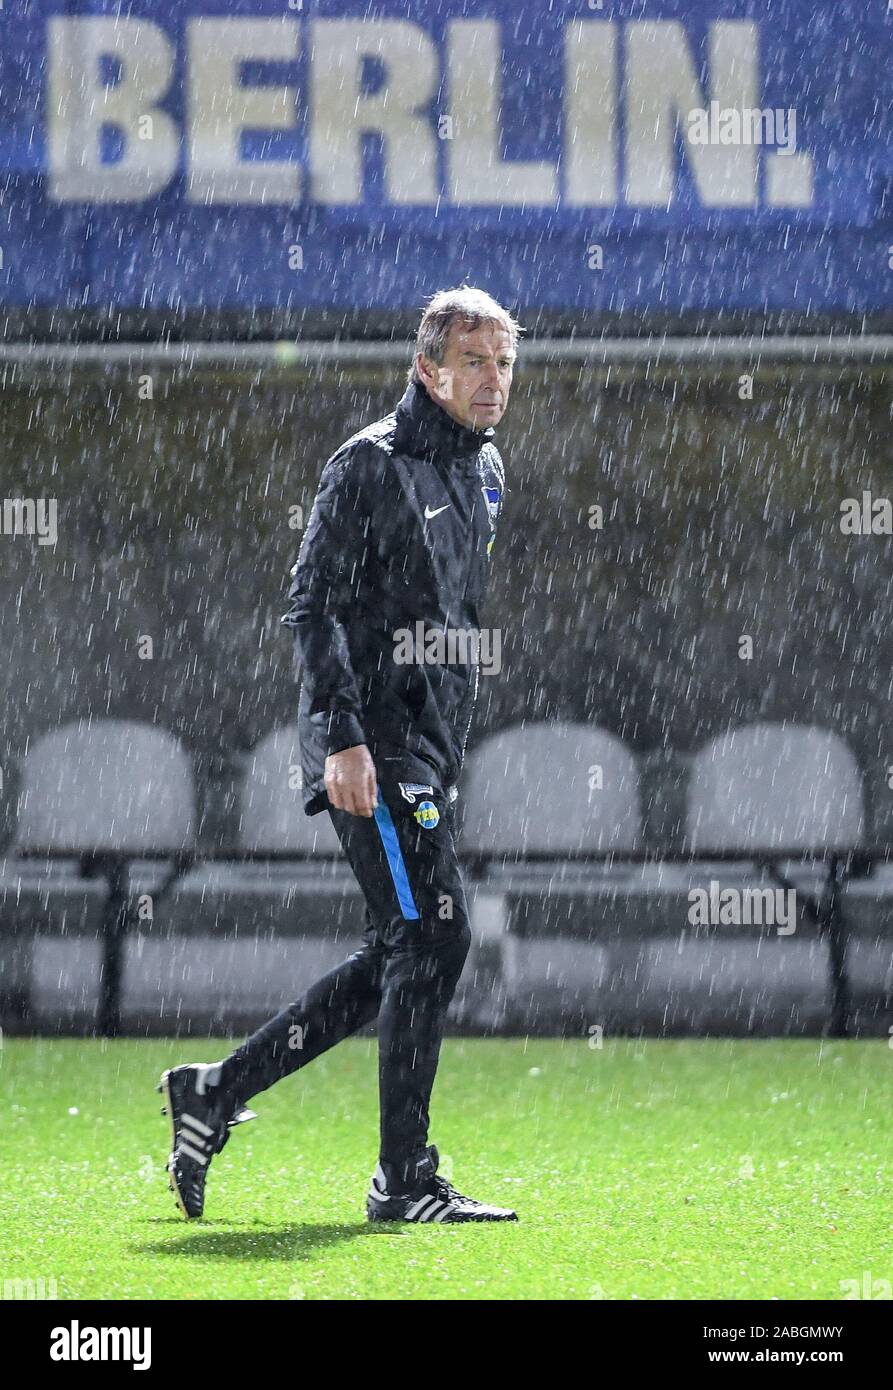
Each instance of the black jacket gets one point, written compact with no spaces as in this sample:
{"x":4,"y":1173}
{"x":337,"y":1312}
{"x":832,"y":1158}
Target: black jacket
{"x":400,"y":533}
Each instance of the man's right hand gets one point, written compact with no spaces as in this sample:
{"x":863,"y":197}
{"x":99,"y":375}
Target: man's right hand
{"x":350,"y":780}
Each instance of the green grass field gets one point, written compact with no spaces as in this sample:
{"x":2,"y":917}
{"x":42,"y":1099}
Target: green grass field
{"x":681,"y":1169}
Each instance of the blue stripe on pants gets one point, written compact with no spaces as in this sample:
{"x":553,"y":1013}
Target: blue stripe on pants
{"x":388,"y":832}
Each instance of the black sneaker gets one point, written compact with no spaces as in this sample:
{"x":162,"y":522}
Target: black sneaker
{"x":432,"y":1199}
{"x":201,"y":1117}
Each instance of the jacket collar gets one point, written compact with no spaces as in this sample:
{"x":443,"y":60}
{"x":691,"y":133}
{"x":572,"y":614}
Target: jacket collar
{"x":425,"y":428}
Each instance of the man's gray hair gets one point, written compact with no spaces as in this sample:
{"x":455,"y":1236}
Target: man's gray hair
{"x":471,"y":306}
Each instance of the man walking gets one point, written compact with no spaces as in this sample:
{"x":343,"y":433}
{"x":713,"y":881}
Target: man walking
{"x":392,"y":569}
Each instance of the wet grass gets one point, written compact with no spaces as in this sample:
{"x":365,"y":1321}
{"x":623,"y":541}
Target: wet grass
{"x":657,"y":1169}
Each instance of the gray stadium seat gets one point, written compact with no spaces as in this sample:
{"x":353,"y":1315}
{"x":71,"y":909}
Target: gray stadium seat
{"x":531,"y":789}
{"x":246,"y":936}
{"x":312,"y":895}
{"x":271,"y":810}
{"x":772,"y":785}
{"x":106,"y":785}
{"x":758,"y":788}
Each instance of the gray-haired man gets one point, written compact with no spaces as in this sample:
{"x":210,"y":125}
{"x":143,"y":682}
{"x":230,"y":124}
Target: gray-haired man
{"x":399,"y":542}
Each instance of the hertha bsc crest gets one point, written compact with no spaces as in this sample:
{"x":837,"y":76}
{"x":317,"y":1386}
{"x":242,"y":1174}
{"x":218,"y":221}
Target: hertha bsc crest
{"x":410,"y":790}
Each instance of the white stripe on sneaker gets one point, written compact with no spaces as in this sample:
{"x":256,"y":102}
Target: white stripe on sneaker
{"x":187,"y":1149}
{"x":197,"y":1125}
{"x":413,"y":1213}
{"x":189,"y":1127}
{"x":198,"y":1141}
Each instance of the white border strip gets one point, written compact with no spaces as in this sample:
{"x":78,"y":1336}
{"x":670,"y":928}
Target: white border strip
{"x":558,"y":351}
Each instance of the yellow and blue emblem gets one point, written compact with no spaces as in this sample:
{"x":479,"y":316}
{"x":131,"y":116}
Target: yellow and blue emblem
{"x":427,"y":815}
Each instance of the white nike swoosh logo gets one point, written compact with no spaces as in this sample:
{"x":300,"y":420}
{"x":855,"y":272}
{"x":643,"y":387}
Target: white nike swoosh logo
{"x":429,"y":513}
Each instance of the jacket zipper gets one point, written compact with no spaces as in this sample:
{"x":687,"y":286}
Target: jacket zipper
{"x":477,"y":482}
{"x":474,"y":700}
{"x":472,"y":546}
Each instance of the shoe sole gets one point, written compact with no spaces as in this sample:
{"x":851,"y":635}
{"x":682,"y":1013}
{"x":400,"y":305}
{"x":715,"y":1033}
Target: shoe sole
{"x":164,"y":1087}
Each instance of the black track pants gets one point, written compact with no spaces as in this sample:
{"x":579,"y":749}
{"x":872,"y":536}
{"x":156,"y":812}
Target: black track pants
{"x":415,"y":943}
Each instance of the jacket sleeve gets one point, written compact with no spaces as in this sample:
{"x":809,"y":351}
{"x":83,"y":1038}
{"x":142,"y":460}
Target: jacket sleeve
{"x":324,"y":584}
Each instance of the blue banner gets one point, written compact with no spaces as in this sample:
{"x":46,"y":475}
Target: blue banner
{"x":580,"y":155}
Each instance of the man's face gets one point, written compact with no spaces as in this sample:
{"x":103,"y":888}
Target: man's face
{"x":473,"y":382}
